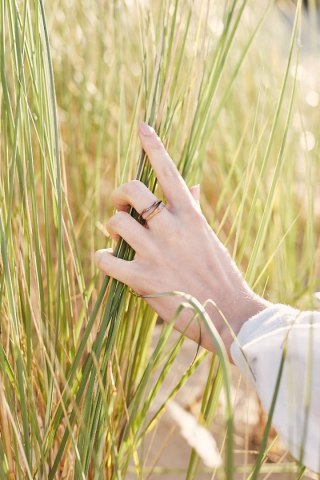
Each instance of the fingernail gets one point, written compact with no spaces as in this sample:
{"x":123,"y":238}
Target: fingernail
{"x":195,"y":189}
{"x":146,"y":130}
{"x":98,"y":257}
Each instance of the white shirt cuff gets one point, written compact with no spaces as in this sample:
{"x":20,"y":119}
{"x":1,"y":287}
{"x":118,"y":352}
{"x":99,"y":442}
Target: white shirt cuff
{"x":283,"y":335}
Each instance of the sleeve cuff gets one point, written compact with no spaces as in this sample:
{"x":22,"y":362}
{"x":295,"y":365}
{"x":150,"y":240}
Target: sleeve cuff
{"x":281,"y":335}
{"x":262,"y":324}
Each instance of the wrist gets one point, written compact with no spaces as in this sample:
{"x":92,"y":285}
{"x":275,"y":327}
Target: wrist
{"x":247,"y":305}
{"x":239,"y":308}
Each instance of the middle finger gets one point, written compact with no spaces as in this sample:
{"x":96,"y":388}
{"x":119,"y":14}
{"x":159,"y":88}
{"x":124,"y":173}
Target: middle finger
{"x":134,"y":194}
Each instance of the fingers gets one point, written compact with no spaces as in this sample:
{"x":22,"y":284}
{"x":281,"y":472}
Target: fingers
{"x":137,"y":195}
{"x":117,"y":268}
{"x":170,"y":180}
{"x":129,"y":229}
{"x":134,"y":194}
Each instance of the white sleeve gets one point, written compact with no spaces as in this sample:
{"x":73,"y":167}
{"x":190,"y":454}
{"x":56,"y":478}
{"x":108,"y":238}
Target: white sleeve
{"x":281,"y":343}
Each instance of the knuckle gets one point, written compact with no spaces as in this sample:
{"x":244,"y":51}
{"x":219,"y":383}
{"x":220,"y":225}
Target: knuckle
{"x":169,"y":173}
{"x":192,"y":214}
{"x":168,"y":169}
{"x":130,"y":188}
{"x":156,"y":144}
{"x":136,"y":183}
{"x":136,"y":186}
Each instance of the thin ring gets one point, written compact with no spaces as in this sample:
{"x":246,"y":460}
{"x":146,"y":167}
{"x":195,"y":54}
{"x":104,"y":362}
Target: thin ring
{"x":158,"y":209}
{"x":152,"y":208}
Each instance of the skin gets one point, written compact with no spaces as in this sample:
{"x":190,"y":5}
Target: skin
{"x":177,"y":252}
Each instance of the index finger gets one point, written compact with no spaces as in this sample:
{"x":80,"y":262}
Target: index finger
{"x":170,"y":180}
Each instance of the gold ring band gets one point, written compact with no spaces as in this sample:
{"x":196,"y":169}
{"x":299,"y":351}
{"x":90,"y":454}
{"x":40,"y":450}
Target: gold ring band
{"x":152,"y":210}
{"x":155,"y":211}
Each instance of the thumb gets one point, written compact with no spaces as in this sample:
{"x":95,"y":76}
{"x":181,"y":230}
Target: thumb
{"x":195,"y":192}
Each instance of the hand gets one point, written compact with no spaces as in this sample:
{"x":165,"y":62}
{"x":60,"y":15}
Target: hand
{"x":178,"y":252}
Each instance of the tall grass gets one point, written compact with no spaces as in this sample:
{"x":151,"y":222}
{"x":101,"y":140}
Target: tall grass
{"x":77,"y":370}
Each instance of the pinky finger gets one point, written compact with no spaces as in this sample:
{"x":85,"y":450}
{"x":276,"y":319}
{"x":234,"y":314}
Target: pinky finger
{"x":122,"y":270}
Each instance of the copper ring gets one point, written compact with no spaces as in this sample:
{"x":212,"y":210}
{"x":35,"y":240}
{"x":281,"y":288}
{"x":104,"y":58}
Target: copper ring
{"x":155,"y":211}
{"x":152,"y":210}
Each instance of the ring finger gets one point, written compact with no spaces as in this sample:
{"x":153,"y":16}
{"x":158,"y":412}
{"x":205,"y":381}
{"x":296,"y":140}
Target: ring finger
{"x":134,"y":194}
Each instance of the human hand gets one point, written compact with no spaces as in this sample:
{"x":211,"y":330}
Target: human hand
{"x":177,"y":252}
